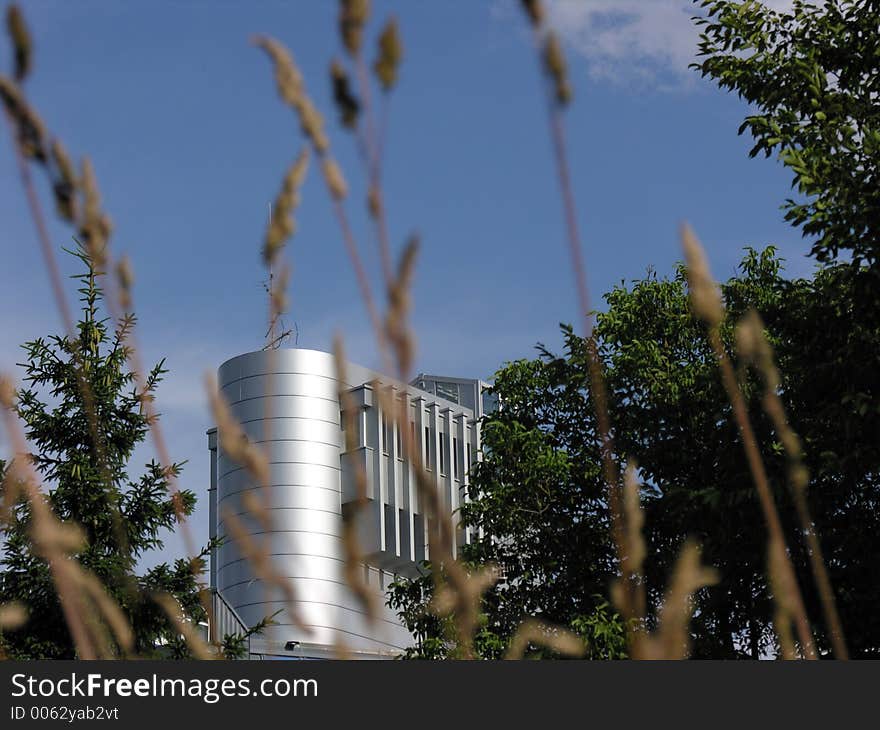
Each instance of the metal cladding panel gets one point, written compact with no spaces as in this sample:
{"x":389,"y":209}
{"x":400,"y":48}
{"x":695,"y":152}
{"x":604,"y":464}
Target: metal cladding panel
{"x":289,"y":452}
{"x":295,"y":475}
{"x":294,"y":429}
{"x":296,"y":566}
{"x":328,"y":624}
{"x":300,"y":361}
{"x":257,"y":386}
{"x":284,"y":497}
{"x":279,"y":406}
{"x":283,"y":544}
{"x":286,"y":520}
{"x":318,"y":590}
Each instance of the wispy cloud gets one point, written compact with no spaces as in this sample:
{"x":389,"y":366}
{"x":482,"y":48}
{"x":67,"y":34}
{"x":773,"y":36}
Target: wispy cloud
{"x":634,"y":41}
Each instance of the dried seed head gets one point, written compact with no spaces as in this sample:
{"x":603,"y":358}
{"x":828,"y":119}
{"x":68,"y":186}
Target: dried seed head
{"x":784,"y":595}
{"x":110,"y":610}
{"x":95,"y":227}
{"x":292,"y":91}
{"x":635,"y":520}
{"x":12,"y":616}
{"x":555,"y":638}
{"x":345,"y":399}
{"x":704,"y":292}
{"x":354,"y":558}
{"x":125,"y":279}
{"x":51,"y":535}
{"x":184,"y":626}
{"x":353,"y":16}
{"x":374,"y":202}
{"x":335,"y":181}
{"x":278,"y":300}
{"x":346,"y":102}
{"x":21,"y":41}
{"x":313,"y":125}
{"x":554,"y":63}
{"x":470,"y":589}
{"x":390,"y":55}
{"x":7,"y":392}
{"x":534,"y":10}
{"x":461,"y":597}
{"x":282,"y":224}
{"x":31,"y":130}
{"x":287,"y":75}
{"x":746,"y":340}
{"x":688,"y":576}
{"x":256,"y":507}
{"x":753,"y":347}
{"x":233,"y":440}
{"x":65,"y":184}
{"x":399,"y":301}
{"x":261,"y":562}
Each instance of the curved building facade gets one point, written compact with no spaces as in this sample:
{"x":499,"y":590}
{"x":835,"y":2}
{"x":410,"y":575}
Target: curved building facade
{"x":287,"y":402}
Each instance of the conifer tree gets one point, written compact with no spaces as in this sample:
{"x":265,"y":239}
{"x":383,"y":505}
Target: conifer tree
{"x":84,"y":416}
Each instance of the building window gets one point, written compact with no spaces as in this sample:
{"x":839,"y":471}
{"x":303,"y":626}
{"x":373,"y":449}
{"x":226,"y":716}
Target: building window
{"x":468,"y":458}
{"x":442,"y":464}
{"x":427,"y":449}
{"x":449,"y":391}
{"x":490,"y":401}
{"x":386,"y":435}
{"x":454,"y":457}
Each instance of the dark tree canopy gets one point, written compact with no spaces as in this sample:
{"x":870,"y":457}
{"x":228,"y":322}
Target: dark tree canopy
{"x":539,"y":494}
{"x":672,"y":416}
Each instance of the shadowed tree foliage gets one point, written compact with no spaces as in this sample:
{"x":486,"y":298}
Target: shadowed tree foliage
{"x":538,"y":491}
{"x":671,"y":415}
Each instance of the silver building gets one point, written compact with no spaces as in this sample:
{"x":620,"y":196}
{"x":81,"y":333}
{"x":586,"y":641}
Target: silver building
{"x":288,"y":403}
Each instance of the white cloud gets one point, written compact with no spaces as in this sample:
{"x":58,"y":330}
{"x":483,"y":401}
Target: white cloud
{"x":634,"y":41}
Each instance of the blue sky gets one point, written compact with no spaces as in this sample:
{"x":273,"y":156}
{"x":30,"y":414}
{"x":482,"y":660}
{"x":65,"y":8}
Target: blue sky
{"x":189,"y":141}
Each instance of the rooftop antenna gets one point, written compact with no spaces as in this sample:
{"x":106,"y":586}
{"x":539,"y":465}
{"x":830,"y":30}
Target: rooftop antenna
{"x":276,"y":318}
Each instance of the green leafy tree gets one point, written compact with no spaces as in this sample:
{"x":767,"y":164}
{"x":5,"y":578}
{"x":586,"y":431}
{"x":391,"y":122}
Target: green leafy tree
{"x":538,"y":496}
{"x":538,"y":490}
{"x":813,"y":76}
{"x":671,"y":415}
{"x":88,"y":483}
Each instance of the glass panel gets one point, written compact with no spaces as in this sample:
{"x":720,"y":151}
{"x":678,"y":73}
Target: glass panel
{"x":490,"y":401}
{"x":427,"y":450}
{"x":449,"y":391}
